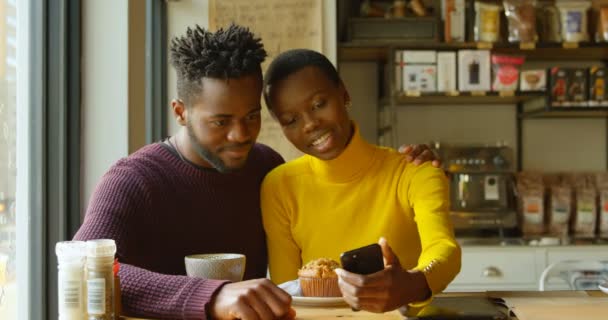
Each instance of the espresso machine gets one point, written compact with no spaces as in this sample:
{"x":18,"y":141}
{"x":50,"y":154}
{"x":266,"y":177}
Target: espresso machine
{"x":482,"y":187}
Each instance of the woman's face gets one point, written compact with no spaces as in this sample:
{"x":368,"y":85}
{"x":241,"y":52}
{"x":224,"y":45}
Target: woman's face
{"x":312,"y":113}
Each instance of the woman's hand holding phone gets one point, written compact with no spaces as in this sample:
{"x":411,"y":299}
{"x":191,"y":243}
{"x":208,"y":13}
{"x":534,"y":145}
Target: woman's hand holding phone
{"x":385,"y":290}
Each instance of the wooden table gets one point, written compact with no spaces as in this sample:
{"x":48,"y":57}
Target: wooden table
{"x":342,"y":313}
{"x":311,"y":313}
{"x":332,"y":313}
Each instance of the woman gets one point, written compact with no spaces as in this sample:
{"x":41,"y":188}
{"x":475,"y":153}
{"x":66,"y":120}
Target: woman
{"x":345,"y":193}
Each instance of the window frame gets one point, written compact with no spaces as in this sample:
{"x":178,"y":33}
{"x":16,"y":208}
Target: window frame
{"x":48,"y":143}
{"x":156,"y":71}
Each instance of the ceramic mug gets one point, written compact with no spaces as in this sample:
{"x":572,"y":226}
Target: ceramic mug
{"x":218,"y":266}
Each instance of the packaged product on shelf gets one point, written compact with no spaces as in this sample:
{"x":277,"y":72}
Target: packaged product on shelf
{"x":548,"y":23}
{"x":601,"y":34}
{"x":372,"y":9}
{"x":474,"y":70}
{"x":585,"y":213}
{"x":533,"y":80}
{"x":521,"y":15}
{"x":418,"y":7}
{"x":446,"y":71}
{"x":531,"y":203}
{"x":505,"y":72}
{"x":559,"y":80}
{"x":573,"y":15}
{"x":420,"y":71}
{"x":397,"y":10}
{"x":601,"y":180}
{"x":454,"y":20}
{"x":487,"y":21}
{"x":398,"y":71}
{"x":577,"y":87}
{"x":560,"y":205}
{"x":598,"y":81}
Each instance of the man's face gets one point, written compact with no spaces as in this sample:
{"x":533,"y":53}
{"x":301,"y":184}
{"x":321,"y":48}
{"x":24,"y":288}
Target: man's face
{"x":223,"y":122}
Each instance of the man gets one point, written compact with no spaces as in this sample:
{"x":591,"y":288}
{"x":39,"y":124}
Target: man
{"x":197,"y":191}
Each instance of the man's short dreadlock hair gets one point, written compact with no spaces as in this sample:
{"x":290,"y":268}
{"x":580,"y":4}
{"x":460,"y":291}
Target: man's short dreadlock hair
{"x":227,"y":53}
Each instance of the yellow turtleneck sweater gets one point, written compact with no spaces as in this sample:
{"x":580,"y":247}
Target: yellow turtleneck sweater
{"x":314,"y":208}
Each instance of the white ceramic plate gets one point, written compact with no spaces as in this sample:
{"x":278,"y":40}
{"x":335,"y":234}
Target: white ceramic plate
{"x":604,"y":287}
{"x":318,"y":301}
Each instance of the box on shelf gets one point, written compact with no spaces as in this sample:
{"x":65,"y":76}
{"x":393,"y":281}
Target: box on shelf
{"x":533,"y":80}
{"x":446,"y":71}
{"x":568,"y":87}
{"x":505,"y":72}
{"x":598,"y":81}
{"x":559,"y":82}
{"x":474,"y":70}
{"x":419,"y":71}
{"x":577,"y":87}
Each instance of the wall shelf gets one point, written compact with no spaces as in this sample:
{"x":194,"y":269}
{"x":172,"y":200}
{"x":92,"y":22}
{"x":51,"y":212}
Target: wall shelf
{"x":534,"y":104}
{"x":466,"y":98}
{"x":565,"y":112}
{"x":377,"y":50}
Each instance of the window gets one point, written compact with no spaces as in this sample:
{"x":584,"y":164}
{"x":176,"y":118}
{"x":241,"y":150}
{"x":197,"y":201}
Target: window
{"x":39,"y":149}
{"x":8,"y":168}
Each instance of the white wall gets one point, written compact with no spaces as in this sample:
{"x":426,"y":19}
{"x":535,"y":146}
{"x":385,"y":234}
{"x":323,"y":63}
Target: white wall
{"x":365,"y":103}
{"x":486,"y":124}
{"x":104,"y":88}
{"x":565,"y":145}
{"x":330,"y":31}
{"x":181,"y":15}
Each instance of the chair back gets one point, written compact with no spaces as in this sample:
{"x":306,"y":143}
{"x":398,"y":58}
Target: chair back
{"x":578,"y":274}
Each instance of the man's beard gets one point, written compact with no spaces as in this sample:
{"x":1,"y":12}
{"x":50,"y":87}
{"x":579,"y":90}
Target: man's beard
{"x":206,"y":154}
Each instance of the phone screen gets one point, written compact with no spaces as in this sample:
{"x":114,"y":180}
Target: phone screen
{"x":364,"y":260}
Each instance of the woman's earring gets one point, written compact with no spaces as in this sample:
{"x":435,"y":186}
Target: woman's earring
{"x":348,"y":104}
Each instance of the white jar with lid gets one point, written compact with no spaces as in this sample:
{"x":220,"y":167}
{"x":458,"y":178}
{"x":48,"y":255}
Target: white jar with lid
{"x":71,"y":280}
{"x":100,"y":279}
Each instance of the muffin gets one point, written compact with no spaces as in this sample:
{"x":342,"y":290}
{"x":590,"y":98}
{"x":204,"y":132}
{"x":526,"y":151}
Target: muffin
{"x":318,"y":278}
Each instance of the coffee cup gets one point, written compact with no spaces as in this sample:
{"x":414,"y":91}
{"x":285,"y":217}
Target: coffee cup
{"x":218,"y":266}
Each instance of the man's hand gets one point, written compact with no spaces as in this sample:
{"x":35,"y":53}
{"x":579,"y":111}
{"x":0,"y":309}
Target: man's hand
{"x":257,"y":299}
{"x":420,"y":153}
{"x":385,"y":290}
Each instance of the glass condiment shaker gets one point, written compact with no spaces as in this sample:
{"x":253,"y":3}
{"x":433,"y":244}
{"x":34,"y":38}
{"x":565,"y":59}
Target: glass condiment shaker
{"x":100,"y":279}
{"x":71,"y":280}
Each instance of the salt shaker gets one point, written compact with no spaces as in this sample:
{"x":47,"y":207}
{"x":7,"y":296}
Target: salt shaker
{"x":100,"y":279}
{"x":71,"y":280}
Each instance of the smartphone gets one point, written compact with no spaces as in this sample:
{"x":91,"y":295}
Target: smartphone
{"x":364,"y":260}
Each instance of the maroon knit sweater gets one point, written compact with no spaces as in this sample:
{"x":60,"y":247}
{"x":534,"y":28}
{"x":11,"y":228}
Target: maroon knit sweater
{"x":159,"y":209}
